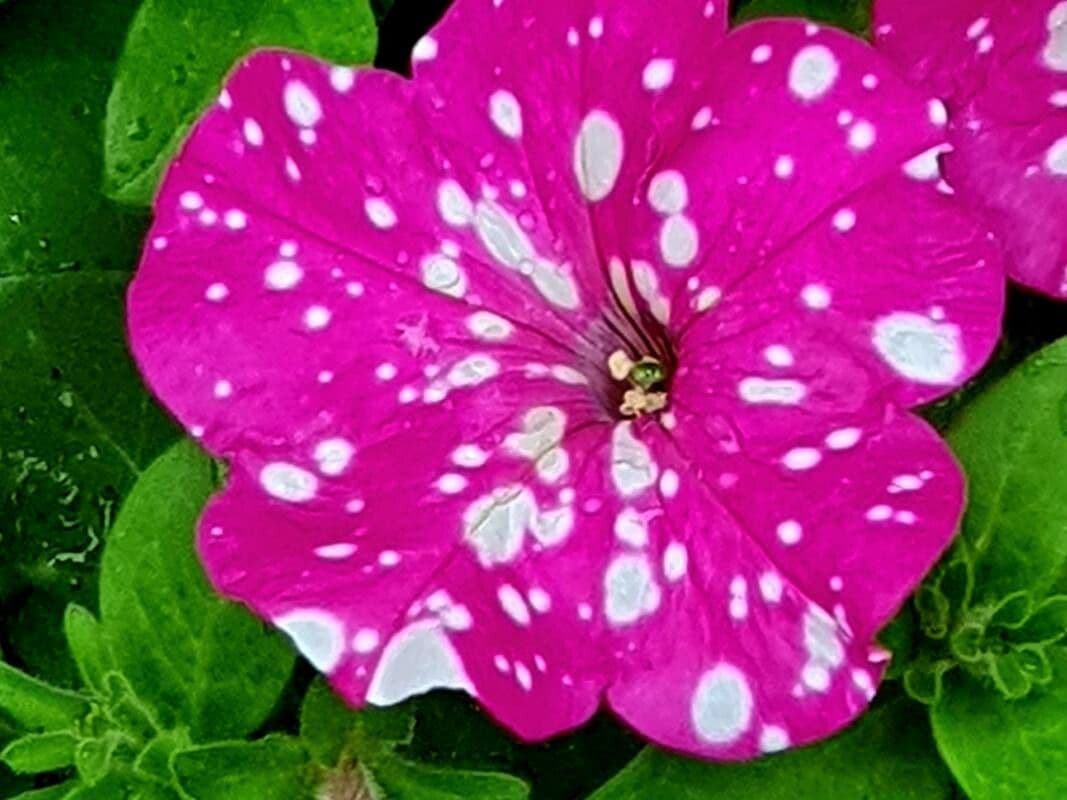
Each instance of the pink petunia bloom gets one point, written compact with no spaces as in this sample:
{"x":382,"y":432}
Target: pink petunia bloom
{"x":578,"y":367}
{"x":1001,"y":67}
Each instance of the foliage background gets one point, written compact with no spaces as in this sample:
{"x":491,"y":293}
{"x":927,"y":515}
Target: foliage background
{"x":147,"y":686}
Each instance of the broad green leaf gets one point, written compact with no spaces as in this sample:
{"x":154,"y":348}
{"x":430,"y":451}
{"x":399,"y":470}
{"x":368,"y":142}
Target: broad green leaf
{"x":274,"y":768}
{"x":1012,"y":442}
{"x":88,"y":645}
{"x":400,"y":779}
{"x":1002,"y":749}
{"x":199,"y":660}
{"x":853,"y":15}
{"x":176,"y":57}
{"x":34,"y":705}
{"x":75,"y":426}
{"x":330,"y":730}
{"x":40,"y":752}
{"x":56,"y":66}
{"x":60,"y":792}
{"x":886,"y":754}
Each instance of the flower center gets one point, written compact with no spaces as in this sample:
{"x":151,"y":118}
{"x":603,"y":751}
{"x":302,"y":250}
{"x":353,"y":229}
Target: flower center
{"x":646,"y":379}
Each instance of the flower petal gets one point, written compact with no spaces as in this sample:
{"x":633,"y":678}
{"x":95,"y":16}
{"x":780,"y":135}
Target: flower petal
{"x":817,"y":116}
{"x":865,"y":305}
{"x":1002,"y":69}
{"x":765,"y":639}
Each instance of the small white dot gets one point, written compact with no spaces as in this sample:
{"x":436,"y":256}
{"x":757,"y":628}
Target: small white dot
{"x":253,"y":133}
{"x":385,"y":371}
{"x":216,"y":292}
{"x":389,"y":558}
{"x":762,"y":54}
{"x":801,"y":458}
{"x":425,"y":49}
{"x":451,"y":483}
{"x":790,"y":532}
{"x":365,"y":641}
{"x":861,"y":136}
{"x":235,"y":220}
{"x":783,"y":167}
{"x":658,"y":74}
{"x":191,"y":201}
{"x":596,"y":27}
{"x":223,"y":389}
{"x":844,"y":220}
{"x":815,"y":296}
{"x":317,"y":317}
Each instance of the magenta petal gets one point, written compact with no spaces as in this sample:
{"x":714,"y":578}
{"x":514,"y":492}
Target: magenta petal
{"x":1001,"y":66}
{"x":394,"y":307}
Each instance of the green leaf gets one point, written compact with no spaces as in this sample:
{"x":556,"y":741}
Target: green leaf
{"x":177,"y":55}
{"x":886,"y":754}
{"x":75,"y":425}
{"x":198,"y":660}
{"x":1048,"y":623}
{"x":153,"y":762}
{"x":93,"y":757}
{"x":1004,"y":749}
{"x":88,"y":646}
{"x":40,"y":752}
{"x":274,"y":768}
{"x":60,"y":792}
{"x":34,"y":705}
{"x":56,"y":73}
{"x":400,"y":779}
{"x":1013,"y":446}
{"x":330,"y":729}
{"x":853,"y":15}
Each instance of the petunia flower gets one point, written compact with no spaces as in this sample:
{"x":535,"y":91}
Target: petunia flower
{"x":1001,"y":68}
{"x":577,"y":368}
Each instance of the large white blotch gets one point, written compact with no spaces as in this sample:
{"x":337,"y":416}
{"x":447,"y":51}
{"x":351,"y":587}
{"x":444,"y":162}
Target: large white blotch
{"x":551,"y":527}
{"x":542,"y":429}
{"x":418,"y":659}
{"x":813,"y":72}
{"x":630,"y":527}
{"x":301,"y":105}
{"x":630,"y":590}
{"x":501,"y":235}
{"x":288,"y":482}
{"x":764,"y":391}
{"x":318,"y":636}
{"x":494,"y":525}
{"x":473,"y":369}
{"x":1055,"y":54}
{"x":920,"y":349}
{"x":506,"y":113}
{"x":556,"y":285}
{"x":721,"y":710}
{"x":1056,"y":157}
{"x":598,"y":151}
{"x":825,"y":651}
{"x":632,"y":468}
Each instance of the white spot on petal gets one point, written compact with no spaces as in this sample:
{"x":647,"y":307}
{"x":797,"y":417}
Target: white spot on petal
{"x":598,"y":152}
{"x":920,"y":349}
{"x":317,"y":635}
{"x":301,"y":105}
{"x":630,"y":590}
{"x":417,"y":659}
{"x":813,"y":72}
{"x":506,"y":113}
{"x":288,"y":482}
{"x":721,"y":710}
